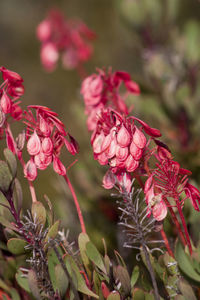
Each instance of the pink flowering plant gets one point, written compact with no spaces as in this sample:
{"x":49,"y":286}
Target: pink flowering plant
{"x":157,"y":256}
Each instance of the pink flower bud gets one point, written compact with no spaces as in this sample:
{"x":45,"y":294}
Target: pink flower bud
{"x":159,"y":211}
{"x":125,"y":180}
{"x":44,"y":31}
{"x":47,"y":146}
{"x":30,"y":170}
{"x":103,"y":159}
{"x":44,"y":126}
{"x":106,"y":142}
{"x":148,"y":184}
{"x":34,"y":145}
{"x":16,"y":112}
{"x":5,"y":103}
{"x":16,"y":89}
{"x":123,"y":137}
{"x":97,"y":144}
{"x":71,"y":146}
{"x":139,"y":138}
{"x":132,"y":87}
{"x":131,"y":164}
{"x":58,"y":166}
{"x":49,"y":56}
{"x":42,"y":161}
{"x":10,"y":75}
{"x":91,"y":89}
{"x":135,"y":151}
{"x":112,"y":148}
{"x":121,"y":153}
{"x":109,"y":180}
{"x":150,"y":131}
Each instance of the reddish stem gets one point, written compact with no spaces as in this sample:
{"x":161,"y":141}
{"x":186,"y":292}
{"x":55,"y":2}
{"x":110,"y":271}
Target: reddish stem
{"x":167,"y":243}
{"x":76,"y":203}
{"x":184,"y":225}
{"x":176,"y":222}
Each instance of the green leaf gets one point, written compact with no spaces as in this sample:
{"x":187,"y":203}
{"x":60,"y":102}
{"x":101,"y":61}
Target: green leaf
{"x":53,"y":231}
{"x":122,"y":275}
{"x":52,"y":262}
{"x":18,"y":195}
{"x":81,"y":285}
{"x":39,"y":212}
{"x":94,"y":255}
{"x":11,"y":161}
{"x":6,"y":223}
{"x":186,"y":290}
{"x":83,"y":239}
{"x":185,"y":263}
{"x":16,"y":246}
{"x":113,"y":296}
{"x":138,"y":294}
{"x":5,"y":177}
{"x":61,"y":280}
{"x":32,"y":281}
{"x":119,"y":259}
{"x":22,"y":281}
{"x":4,"y":286}
{"x":134,"y":276}
{"x":14,"y":294}
{"x":149,"y":297}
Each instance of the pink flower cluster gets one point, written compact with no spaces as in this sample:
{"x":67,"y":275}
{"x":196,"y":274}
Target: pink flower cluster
{"x":10,"y":91}
{"x":68,"y":38}
{"x":103,"y":90}
{"x":46,"y":136}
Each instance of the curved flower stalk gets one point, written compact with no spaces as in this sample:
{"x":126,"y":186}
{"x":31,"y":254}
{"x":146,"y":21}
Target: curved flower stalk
{"x":69,"y":39}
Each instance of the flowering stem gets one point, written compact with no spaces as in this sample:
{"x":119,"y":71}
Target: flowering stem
{"x":184,"y":225}
{"x":31,"y":187}
{"x":76,"y":203}
{"x":166,"y":243}
{"x":176,"y":222}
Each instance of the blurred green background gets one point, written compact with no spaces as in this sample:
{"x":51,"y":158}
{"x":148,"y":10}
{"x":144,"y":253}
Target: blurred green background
{"x":157,"y":42}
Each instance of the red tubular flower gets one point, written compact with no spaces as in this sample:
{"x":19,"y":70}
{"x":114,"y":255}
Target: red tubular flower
{"x":48,"y":138}
{"x":70,"y":39}
{"x":10,"y":91}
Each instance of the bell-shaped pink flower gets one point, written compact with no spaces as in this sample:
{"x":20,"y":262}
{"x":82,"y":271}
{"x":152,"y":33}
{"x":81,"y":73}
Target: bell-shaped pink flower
{"x":103,"y":159}
{"x":5,"y":103}
{"x":58,"y":166}
{"x":30,"y":170}
{"x":97,"y":143}
{"x":109,"y":180}
{"x":91,"y":89}
{"x":135,"y":151}
{"x":44,"y":31}
{"x":123,"y":137}
{"x":159,"y":211}
{"x":34,"y":145}
{"x":47,"y":146}
{"x":131,"y":164}
{"x":44,"y":127}
{"x":121,"y":152}
{"x":139,"y":138}
{"x":42,"y":161}
{"x":110,"y":152}
{"x":125,"y":181}
{"x":106,"y":142}
{"x":49,"y":56}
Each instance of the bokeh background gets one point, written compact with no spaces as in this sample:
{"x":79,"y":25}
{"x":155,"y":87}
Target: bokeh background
{"x":158,"y":42}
